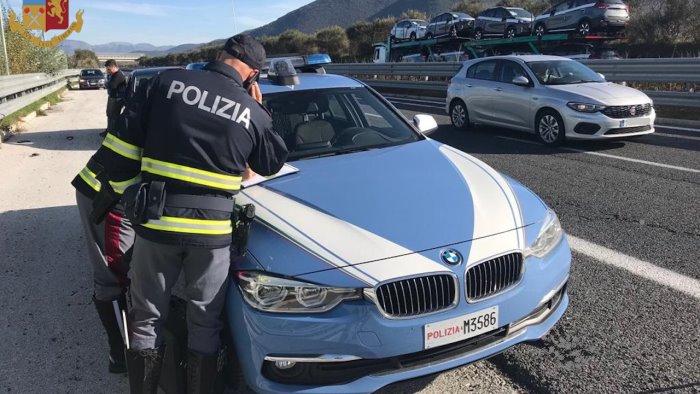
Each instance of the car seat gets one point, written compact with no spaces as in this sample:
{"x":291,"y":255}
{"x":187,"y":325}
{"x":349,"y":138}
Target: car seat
{"x":315,"y":132}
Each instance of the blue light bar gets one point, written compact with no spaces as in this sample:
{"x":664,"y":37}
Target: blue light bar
{"x":318,"y":58}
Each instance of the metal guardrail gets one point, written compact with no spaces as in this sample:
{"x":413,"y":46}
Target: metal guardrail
{"x":18,"y":91}
{"x":684,"y":70}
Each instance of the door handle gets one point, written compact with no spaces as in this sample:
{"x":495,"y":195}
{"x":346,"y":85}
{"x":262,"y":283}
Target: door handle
{"x":498,"y":89}
{"x":470,"y":85}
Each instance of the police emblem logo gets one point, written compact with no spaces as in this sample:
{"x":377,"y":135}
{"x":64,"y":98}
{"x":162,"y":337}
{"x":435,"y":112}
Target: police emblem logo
{"x":45,"y":15}
{"x":451,"y":257}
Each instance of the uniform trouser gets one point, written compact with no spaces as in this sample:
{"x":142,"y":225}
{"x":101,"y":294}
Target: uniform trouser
{"x":114,"y":109}
{"x":155,"y":268}
{"x":107,"y":243}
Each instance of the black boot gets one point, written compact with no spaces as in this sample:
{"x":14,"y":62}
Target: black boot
{"x":144,"y":370}
{"x":201,"y":373}
{"x":108,"y":316}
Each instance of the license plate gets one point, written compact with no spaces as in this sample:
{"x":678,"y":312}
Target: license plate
{"x":623,"y":123}
{"x":460,"y":328}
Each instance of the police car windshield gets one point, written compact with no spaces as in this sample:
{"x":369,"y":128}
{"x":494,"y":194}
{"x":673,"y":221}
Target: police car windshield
{"x":326,"y":122}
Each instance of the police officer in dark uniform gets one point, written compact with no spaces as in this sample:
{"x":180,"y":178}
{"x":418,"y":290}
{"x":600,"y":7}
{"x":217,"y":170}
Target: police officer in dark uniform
{"x":199,"y":130}
{"x":109,"y":235}
{"x":116,"y":90}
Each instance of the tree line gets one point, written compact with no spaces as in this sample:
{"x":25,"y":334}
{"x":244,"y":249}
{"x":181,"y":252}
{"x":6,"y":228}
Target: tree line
{"x":657,"y":28}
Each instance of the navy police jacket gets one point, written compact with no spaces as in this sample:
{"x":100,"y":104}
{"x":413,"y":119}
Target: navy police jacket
{"x":195,"y":130}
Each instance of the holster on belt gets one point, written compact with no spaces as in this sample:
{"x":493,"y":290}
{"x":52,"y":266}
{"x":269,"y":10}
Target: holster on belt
{"x":243,"y":216}
{"x":144,"y":201}
{"x":106,"y":198}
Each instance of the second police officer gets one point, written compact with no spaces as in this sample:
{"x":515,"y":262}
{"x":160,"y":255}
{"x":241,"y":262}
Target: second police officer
{"x":199,"y":130}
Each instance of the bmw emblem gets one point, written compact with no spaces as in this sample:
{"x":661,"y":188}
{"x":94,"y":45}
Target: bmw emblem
{"x":451,"y":257}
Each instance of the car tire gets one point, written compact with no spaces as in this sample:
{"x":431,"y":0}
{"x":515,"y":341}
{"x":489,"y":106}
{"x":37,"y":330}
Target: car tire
{"x":478,"y":34}
{"x":549,"y":128}
{"x":583,"y":28}
{"x":413,"y":36}
{"x":453,"y":32}
{"x":392,"y":39}
{"x":459,"y":116}
{"x":510,"y":32}
{"x":540,"y":30}
{"x":428,"y":36}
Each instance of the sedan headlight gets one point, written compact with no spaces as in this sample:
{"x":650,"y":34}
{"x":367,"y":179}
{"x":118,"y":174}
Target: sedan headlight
{"x":272,"y":294}
{"x":549,"y":237}
{"x":585,"y":107}
{"x":82,"y":80}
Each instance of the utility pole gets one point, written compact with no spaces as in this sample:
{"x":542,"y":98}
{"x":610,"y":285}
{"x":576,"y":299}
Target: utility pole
{"x":4,"y":42}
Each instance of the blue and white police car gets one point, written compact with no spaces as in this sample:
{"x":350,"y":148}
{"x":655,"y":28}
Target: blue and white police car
{"x":387,"y":255}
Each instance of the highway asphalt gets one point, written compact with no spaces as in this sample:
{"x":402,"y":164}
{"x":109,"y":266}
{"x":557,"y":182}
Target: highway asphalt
{"x":632,"y":210}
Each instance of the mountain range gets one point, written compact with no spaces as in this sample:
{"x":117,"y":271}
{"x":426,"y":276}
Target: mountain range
{"x":323,"y":13}
{"x":69,"y":46}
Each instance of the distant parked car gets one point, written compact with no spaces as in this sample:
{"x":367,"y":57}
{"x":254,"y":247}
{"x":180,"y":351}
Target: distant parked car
{"x":408,"y":29}
{"x":91,"y":78}
{"x":554,"y":97}
{"x":506,"y":22}
{"x":584,"y":17}
{"x":452,"y":24}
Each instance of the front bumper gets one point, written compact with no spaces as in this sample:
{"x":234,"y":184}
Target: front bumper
{"x":354,"y":349}
{"x":91,"y":84}
{"x":593,"y":126}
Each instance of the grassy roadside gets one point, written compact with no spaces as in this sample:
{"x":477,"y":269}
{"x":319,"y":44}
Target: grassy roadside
{"x":8,"y":121}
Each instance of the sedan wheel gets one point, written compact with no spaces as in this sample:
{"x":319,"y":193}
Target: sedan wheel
{"x":510,"y":33}
{"x":459,"y":115}
{"x":539,"y":31}
{"x":550,"y":128}
{"x":584,"y":28}
{"x":413,"y":36}
{"x":478,"y":35}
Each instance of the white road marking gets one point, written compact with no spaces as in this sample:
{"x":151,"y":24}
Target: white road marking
{"x":637,"y":267}
{"x":676,"y":128}
{"x":677,"y":136}
{"x":418,"y":105}
{"x":650,"y":163}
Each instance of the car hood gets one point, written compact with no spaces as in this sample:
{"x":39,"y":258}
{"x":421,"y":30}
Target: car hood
{"x":606,"y":93}
{"x":373,"y":206}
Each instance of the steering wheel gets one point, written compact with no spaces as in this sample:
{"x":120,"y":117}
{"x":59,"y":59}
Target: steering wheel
{"x":351,"y":135}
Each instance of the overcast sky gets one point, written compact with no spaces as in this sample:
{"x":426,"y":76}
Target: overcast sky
{"x":171,"y":22}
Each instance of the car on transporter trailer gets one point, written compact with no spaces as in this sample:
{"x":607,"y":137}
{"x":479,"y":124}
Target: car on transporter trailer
{"x":348,"y":284}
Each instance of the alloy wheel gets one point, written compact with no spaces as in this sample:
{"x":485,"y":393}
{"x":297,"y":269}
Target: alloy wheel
{"x":539,"y":31}
{"x":510,"y":33}
{"x":459,"y":115}
{"x":584,"y":28}
{"x":549,"y":129}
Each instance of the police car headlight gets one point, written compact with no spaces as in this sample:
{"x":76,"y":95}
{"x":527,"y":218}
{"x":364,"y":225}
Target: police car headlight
{"x":549,"y":237}
{"x":272,"y":294}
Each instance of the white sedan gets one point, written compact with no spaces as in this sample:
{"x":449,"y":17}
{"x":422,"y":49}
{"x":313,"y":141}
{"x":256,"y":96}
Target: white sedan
{"x":554,"y":97}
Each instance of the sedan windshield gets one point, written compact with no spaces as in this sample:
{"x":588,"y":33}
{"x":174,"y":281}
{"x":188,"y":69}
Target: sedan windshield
{"x":91,"y":73}
{"x":563,"y":72}
{"x":326,"y":122}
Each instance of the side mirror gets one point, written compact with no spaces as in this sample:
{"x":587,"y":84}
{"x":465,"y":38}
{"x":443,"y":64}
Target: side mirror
{"x":425,"y":123}
{"x":521,"y":81}
{"x":601,"y":75}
